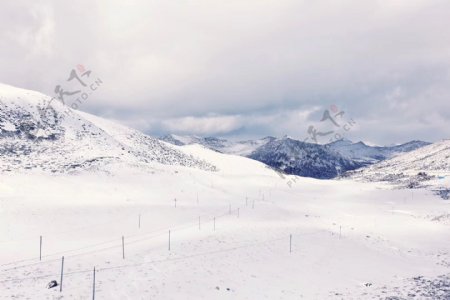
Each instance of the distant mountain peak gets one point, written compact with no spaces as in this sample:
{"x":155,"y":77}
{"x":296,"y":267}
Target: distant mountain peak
{"x":342,"y":141}
{"x":286,"y":137}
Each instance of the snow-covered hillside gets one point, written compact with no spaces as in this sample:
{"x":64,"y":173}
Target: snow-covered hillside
{"x":37,"y":133}
{"x":429,"y":165}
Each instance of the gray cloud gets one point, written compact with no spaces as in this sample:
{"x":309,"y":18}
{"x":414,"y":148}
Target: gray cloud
{"x":242,"y":68}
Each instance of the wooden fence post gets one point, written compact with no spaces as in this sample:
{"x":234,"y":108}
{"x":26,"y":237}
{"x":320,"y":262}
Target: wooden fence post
{"x":93,"y":286}
{"x":62,"y":274}
{"x":290,"y":243}
{"x":123,"y":247}
{"x":40,"y":247}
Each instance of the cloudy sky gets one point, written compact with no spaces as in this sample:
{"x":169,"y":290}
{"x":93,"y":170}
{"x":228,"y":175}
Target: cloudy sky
{"x":243,"y":69}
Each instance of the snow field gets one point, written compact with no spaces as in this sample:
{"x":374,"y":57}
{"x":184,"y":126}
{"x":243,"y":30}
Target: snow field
{"x":386,"y":235}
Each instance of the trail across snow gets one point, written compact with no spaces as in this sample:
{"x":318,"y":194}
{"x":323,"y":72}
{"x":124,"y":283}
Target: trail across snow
{"x":230,"y":235}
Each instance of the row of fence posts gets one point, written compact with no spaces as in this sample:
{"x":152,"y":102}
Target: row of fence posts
{"x":139,"y":226}
{"x":123,"y":249}
{"x":169,"y":244}
{"x":123,"y":256}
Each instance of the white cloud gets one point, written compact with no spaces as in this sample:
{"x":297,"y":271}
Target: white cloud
{"x":209,"y":125}
{"x":163,"y":60}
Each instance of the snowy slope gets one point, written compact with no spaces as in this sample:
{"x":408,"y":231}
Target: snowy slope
{"x":426,"y":165}
{"x":36,"y":135}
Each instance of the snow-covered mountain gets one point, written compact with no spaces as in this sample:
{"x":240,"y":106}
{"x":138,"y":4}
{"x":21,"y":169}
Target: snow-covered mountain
{"x":367,"y":155}
{"x":412,"y":168}
{"x":300,"y":158}
{"x":38,"y":133}
{"x":304,"y":159}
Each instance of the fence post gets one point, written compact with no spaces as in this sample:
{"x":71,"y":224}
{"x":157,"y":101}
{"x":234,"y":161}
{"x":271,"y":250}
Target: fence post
{"x":290,"y":243}
{"x":229,"y":209}
{"x":93,"y":286}
{"x":169,"y":240}
{"x":123,"y":247}
{"x":62,"y":274}
{"x":40,"y":247}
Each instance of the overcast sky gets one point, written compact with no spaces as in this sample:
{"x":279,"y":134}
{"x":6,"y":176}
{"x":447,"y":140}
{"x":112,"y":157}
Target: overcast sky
{"x":243,"y":69}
